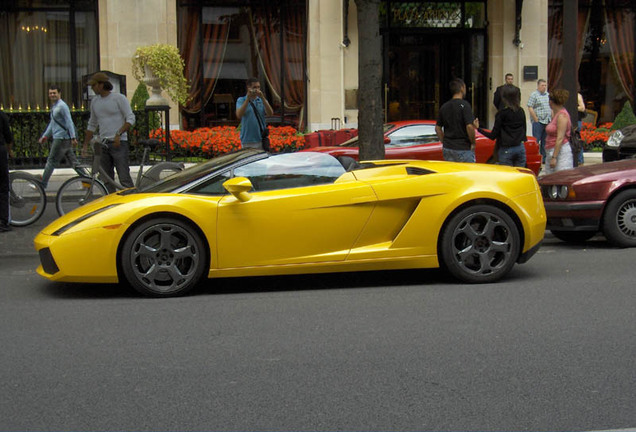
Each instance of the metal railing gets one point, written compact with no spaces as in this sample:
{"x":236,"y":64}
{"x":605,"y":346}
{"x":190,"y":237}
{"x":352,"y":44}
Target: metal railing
{"x":27,"y":126}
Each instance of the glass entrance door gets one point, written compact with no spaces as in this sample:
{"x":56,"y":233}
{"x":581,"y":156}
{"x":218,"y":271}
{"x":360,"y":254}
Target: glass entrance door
{"x":419,"y":65}
{"x":412,"y":91}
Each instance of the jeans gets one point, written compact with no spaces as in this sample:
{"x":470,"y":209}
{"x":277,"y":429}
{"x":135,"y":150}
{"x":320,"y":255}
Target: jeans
{"x":513,"y":156}
{"x":60,"y":148}
{"x":117,"y":158}
{"x":459,"y":155}
{"x":538,"y":131}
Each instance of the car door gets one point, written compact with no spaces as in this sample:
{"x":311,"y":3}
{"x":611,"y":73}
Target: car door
{"x":287,"y":221}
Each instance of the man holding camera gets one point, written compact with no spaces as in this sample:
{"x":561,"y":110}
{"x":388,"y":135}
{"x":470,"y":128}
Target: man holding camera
{"x":252,"y":109}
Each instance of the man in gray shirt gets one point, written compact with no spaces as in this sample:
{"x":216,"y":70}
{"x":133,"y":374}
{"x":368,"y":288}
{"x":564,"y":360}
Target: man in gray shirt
{"x":112,"y":113}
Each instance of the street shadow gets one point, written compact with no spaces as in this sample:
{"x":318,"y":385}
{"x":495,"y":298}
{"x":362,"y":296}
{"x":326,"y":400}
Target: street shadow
{"x":425,"y":278}
{"x":598,"y":242}
{"x":66,"y":290}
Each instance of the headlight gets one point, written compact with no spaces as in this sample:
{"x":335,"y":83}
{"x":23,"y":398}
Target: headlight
{"x":615,"y":139}
{"x":558,"y":192}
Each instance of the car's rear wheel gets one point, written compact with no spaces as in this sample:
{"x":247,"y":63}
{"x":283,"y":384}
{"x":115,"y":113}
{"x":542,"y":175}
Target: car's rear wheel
{"x":163,"y":257}
{"x":573,"y":236}
{"x":480,"y":244}
{"x":619,"y":220}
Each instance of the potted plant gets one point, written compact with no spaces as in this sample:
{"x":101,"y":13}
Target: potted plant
{"x":161,"y":66}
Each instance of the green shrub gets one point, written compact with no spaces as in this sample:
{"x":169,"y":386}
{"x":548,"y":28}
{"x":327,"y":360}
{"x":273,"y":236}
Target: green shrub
{"x":625,"y":118}
{"x":138,"y":102}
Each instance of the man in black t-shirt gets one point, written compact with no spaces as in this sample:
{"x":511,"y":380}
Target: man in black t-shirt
{"x":455,"y":126}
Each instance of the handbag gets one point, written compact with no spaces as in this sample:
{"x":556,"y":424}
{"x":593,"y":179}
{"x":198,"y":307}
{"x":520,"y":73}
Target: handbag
{"x":576,"y":143}
{"x":263,"y":128}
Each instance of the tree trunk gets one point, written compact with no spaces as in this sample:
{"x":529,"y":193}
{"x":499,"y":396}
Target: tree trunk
{"x":370,"y":121}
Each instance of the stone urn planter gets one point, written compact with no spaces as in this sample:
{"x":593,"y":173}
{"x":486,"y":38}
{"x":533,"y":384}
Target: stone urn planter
{"x":160,"y":66}
{"x":153,"y":81}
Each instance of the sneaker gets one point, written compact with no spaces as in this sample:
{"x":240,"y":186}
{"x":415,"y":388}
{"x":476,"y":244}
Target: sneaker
{"x":4,"y":227}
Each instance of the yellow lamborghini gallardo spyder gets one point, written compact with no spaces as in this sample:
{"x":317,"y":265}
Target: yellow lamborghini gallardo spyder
{"x":251,"y":213}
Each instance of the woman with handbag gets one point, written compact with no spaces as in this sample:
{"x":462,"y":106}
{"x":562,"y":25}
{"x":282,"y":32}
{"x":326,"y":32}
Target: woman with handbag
{"x":557,"y":144}
{"x":251,"y":109}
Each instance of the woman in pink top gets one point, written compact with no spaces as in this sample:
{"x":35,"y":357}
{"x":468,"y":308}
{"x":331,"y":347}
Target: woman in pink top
{"x":557,"y":143}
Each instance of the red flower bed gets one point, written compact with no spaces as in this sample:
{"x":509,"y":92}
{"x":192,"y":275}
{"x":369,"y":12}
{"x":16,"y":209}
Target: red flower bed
{"x":595,"y":136}
{"x":210,"y":142}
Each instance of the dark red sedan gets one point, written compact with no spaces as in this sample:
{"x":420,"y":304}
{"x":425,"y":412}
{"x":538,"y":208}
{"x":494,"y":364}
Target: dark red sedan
{"x":583,"y":201}
{"x":416,"y":139}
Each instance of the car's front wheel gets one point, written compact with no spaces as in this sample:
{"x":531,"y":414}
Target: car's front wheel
{"x":619,"y":220}
{"x":573,"y":236}
{"x":480,"y":244}
{"x":163,"y":257}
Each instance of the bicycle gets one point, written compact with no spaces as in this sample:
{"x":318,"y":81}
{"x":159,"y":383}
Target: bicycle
{"x":27,"y":198}
{"x":80,"y":190}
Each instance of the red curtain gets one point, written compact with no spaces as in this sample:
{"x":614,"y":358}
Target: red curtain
{"x":267,"y":23}
{"x":213,"y":52}
{"x":620,"y":33}
{"x":555,"y":47}
{"x":555,"y":44}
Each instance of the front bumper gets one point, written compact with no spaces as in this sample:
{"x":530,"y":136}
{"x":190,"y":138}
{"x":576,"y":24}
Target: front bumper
{"x":574,"y":216}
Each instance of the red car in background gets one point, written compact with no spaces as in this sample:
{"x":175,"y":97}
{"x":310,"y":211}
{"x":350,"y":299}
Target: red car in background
{"x":416,"y":139}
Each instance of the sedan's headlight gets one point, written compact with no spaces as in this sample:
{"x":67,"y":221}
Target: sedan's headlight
{"x":615,"y":139}
{"x":558,"y":192}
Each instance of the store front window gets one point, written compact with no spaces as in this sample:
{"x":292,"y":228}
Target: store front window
{"x":224,"y":45}
{"x":605,"y":54}
{"x":44,"y":43}
{"x":426,"y":45}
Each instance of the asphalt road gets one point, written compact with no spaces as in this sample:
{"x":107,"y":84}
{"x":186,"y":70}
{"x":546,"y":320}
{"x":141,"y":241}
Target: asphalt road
{"x":550,"y":348}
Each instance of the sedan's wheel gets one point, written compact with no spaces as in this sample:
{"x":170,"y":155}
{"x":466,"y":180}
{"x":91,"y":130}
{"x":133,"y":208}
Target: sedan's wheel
{"x":619,"y":220}
{"x":573,"y":236}
{"x":480,"y":244}
{"x":163,"y":257}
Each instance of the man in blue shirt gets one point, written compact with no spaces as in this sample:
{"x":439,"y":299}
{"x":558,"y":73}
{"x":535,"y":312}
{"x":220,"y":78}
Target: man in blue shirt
{"x":62,"y":130}
{"x":252,"y":123}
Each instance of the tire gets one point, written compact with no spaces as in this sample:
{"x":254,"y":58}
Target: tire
{"x":573,"y":236}
{"x":27,"y":198}
{"x":163,"y":257}
{"x":76,"y":191}
{"x":619,"y":219}
{"x":480,"y":244}
{"x":159,"y":172}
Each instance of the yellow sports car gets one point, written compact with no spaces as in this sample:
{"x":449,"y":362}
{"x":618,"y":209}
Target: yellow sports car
{"x":251,"y":213}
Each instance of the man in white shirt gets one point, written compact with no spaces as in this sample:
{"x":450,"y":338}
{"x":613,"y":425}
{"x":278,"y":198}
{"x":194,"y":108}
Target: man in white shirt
{"x":111,"y":112}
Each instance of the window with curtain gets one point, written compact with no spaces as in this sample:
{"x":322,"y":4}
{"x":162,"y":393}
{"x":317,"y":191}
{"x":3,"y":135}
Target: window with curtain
{"x":224,"y":45}
{"x":605,"y":53}
{"x":44,"y":43}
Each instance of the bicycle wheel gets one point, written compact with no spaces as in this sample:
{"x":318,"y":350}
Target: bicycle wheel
{"x":27,"y":198}
{"x":76,"y":192}
{"x":159,"y":172}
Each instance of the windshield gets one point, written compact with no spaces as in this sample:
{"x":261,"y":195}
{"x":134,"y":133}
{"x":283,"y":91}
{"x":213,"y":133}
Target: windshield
{"x":197,"y":171}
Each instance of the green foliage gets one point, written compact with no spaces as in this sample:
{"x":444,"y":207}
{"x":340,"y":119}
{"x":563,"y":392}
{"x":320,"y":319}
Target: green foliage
{"x":138,"y":102}
{"x":625,"y":118}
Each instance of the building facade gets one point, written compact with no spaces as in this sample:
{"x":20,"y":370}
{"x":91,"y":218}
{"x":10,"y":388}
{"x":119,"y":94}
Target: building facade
{"x":305,"y":53}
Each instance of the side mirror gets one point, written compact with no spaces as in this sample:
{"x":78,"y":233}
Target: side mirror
{"x":387,"y":140}
{"x":239,"y":187}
